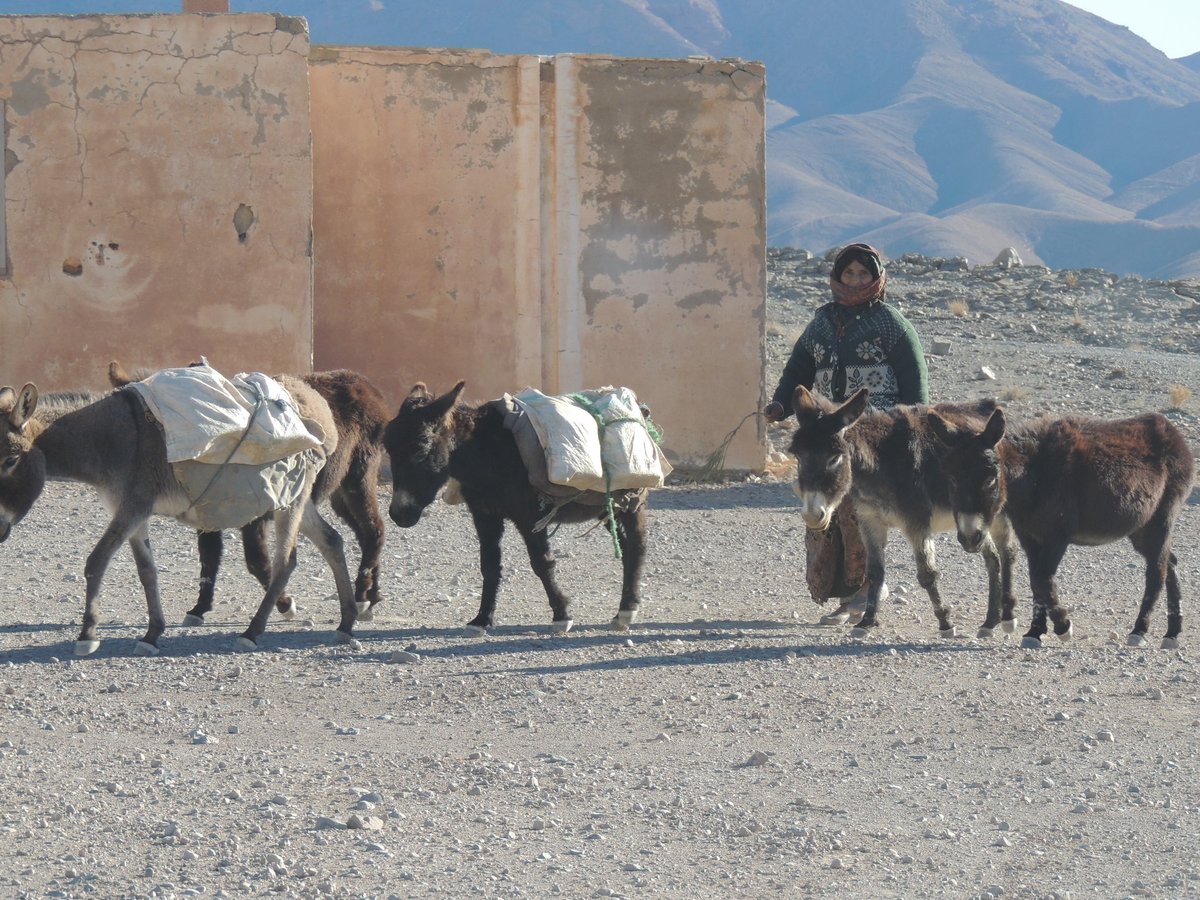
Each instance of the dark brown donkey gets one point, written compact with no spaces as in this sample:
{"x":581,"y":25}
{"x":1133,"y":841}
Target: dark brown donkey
{"x":889,"y":465}
{"x":433,"y":440}
{"x":1080,"y":481}
{"x":349,"y":481}
{"x":114,"y":446}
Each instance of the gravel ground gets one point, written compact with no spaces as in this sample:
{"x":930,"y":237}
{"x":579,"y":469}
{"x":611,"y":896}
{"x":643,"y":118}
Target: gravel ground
{"x":727,"y":747}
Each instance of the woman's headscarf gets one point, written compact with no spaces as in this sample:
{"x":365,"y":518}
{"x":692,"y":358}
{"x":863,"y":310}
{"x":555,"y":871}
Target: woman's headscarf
{"x":856,"y":295}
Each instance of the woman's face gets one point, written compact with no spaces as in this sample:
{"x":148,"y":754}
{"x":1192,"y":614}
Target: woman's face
{"x":856,"y":274}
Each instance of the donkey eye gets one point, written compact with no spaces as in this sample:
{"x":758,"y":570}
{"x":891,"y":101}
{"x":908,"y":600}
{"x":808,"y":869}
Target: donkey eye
{"x":835,"y":463}
{"x":9,"y":464}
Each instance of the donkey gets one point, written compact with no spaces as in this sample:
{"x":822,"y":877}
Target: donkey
{"x":349,"y":480}
{"x":889,"y":466}
{"x":115,"y":446}
{"x":432,"y":440}
{"x":1074,"y":480}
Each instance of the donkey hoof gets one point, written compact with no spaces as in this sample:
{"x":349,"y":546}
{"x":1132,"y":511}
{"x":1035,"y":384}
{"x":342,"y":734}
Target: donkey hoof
{"x":1066,"y":635}
{"x":344,"y":637}
{"x":1029,"y":642}
{"x":144,"y":648}
{"x":562,"y":626}
{"x":190,"y":619}
{"x":474,"y":631}
{"x":951,"y":632}
{"x":623,"y":620}
{"x":1009,"y":626}
{"x":1170,"y":643}
{"x":244,"y":643}
{"x":984,"y":633}
{"x":288,"y":613}
{"x":834,"y":619}
{"x":86,"y":648}
{"x":1135,"y":640}
{"x":365,"y":612}
{"x":858,"y":632}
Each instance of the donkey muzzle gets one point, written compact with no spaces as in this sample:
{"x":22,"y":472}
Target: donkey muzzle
{"x":405,"y":516}
{"x":814,"y":508}
{"x":971,"y":532}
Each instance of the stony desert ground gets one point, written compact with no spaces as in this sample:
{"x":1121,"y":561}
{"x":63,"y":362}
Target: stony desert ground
{"x":726,"y":747}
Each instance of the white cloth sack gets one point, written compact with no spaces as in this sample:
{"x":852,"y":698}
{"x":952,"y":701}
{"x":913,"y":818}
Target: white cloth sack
{"x":568,"y":436}
{"x":627,"y":450}
{"x":625,"y":458}
{"x":204,"y":415}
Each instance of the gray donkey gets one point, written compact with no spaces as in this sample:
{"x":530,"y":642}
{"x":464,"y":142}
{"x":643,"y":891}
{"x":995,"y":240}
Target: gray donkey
{"x":115,"y":446}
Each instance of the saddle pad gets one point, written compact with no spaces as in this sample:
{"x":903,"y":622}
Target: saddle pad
{"x":232,"y":495}
{"x":206,"y":417}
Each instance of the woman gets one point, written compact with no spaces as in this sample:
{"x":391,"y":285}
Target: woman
{"x":855,"y":341}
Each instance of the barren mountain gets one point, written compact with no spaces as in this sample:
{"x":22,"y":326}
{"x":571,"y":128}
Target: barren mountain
{"x":920,"y":125}
{"x":933,"y":126}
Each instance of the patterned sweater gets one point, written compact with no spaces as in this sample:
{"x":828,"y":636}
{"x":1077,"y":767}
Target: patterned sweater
{"x":846,"y":348}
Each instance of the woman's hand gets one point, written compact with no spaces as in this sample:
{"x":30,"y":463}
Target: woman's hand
{"x":774,"y":411}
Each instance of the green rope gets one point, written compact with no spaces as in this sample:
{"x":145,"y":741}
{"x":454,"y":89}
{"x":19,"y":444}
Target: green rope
{"x":652,"y":429}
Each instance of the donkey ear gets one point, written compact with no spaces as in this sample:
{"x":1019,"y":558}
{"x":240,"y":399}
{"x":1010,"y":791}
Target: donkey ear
{"x":941,"y":429}
{"x":444,"y":405}
{"x":849,"y":412}
{"x":803,"y":401}
{"x":994,"y":430}
{"x":26,"y":403}
{"x":117,"y":376}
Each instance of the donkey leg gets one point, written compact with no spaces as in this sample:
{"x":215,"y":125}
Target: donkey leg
{"x":1006,"y":547}
{"x":489,"y":529}
{"x":1152,"y":542}
{"x":211,"y":545}
{"x":631,"y":534}
{"x":993,"y":562}
{"x":287,"y":524}
{"x":327,"y":540}
{"x":928,"y":577}
{"x":874,"y":533}
{"x":541,"y":558}
{"x":355,"y":504}
{"x":1043,"y":563}
{"x":258,"y":562}
{"x":143,"y":557}
{"x":118,"y":531}
{"x":1174,"y":612}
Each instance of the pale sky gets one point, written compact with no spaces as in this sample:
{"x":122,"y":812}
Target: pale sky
{"x":1173,"y":26}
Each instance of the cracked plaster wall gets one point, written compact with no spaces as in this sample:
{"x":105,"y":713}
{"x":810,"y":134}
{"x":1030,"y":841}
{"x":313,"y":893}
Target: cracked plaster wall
{"x":559,"y":222}
{"x":133,"y":143}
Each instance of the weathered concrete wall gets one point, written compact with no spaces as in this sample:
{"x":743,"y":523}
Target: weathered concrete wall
{"x":660,"y":218}
{"x":159,"y":191}
{"x":425,"y":217}
{"x":563,"y":223}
